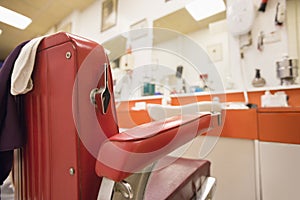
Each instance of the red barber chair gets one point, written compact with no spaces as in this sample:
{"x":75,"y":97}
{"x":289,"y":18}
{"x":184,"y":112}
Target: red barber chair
{"x":74,"y":149}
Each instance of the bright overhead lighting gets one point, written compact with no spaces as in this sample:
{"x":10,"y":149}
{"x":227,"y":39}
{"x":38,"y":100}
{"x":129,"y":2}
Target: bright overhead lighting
{"x":13,"y":18}
{"x":0,"y":31}
{"x":201,"y":9}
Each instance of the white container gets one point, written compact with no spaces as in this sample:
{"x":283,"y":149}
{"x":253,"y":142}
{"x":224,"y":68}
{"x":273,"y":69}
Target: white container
{"x":279,"y":99}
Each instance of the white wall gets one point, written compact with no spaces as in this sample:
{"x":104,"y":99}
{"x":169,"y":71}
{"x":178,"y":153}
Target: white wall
{"x":88,"y":24}
{"x":293,"y":18}
{"x":265,"y":59}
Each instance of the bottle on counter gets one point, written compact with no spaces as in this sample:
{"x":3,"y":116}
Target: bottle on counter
{"x":258,"y":81}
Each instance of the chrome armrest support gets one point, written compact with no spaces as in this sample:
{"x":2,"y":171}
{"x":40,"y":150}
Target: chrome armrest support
{"x":207,"y":189}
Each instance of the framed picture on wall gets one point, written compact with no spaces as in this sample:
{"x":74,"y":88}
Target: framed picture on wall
{"x":109,"y":14}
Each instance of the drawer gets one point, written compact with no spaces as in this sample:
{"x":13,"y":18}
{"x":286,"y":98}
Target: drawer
{"x":279,"y":127}
{"x":240,"y":124}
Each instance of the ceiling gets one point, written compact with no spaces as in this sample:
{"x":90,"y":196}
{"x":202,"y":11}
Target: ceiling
{"x":45,"y":14}
{"x":183,"y":22}
{"x":179,"y":20}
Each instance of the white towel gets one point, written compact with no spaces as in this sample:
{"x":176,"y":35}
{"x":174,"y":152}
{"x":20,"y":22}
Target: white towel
{"x":21,"y":81}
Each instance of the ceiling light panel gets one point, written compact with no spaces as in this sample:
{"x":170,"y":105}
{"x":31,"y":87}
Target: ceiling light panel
{"x":14,"y":19}
{"x":201,"y":9}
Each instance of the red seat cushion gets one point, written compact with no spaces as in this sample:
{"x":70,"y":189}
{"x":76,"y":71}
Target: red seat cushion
{"x":180,"y":180}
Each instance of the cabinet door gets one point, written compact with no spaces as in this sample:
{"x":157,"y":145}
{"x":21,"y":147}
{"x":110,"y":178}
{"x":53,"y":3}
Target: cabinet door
{"x":280,"y":171}
{"x":232,"y":164}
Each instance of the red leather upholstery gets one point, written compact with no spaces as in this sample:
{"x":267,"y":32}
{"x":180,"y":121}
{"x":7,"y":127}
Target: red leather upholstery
{"x":180,"y":180}
{"x":60,"y":132}
{"x":134,"y":149}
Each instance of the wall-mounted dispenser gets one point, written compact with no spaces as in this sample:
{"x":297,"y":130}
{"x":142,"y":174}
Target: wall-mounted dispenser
{"x":240,"y":16}
{"x":287,"y":70}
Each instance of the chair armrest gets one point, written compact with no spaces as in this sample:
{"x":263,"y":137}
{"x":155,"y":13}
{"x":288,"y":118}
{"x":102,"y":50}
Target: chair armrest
{"x":132,"y":150}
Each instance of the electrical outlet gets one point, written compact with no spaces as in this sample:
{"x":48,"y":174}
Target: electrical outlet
{"x":215,"y":52}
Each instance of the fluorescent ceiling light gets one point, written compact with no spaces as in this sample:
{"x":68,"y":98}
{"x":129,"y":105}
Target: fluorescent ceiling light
{"x":201,"y":9}
{"x":13,"y":18}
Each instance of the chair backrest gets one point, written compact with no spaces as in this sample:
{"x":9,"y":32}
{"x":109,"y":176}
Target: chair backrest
{"x":64,"y":126}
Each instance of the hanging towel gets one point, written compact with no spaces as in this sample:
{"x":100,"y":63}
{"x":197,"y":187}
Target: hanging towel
{"x":21,"y":81}
{"x":12,"y":132}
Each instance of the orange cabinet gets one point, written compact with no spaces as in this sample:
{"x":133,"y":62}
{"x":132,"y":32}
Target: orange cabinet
{"x":240,"y":124}
{"x":279,"y":125}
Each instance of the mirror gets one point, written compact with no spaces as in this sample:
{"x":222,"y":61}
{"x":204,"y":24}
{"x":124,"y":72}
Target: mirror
{"x":176,"y":74}
{"x":210,"y":34}
{"x":222,"y":47}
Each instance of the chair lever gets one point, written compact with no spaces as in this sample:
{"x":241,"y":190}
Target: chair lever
{"x":103,"y":92}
